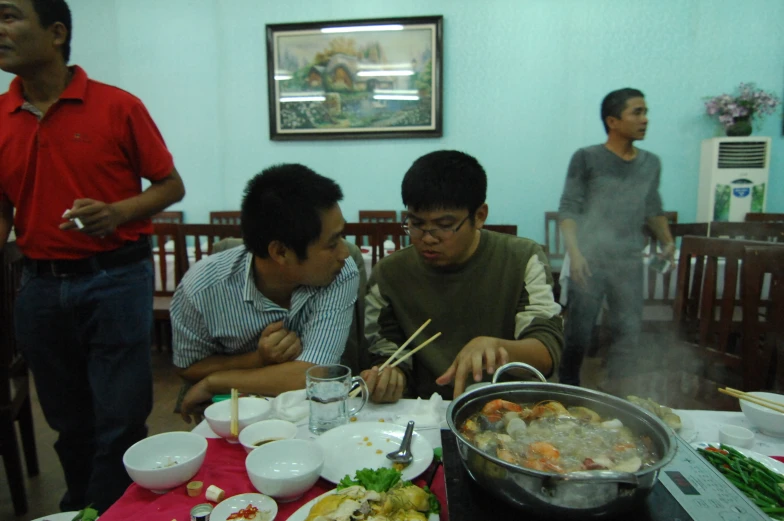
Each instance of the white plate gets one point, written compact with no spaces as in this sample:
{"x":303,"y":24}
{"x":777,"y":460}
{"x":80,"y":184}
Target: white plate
{"x":353,"y":447}
{"x":268,"y":509}
{"x":60,"y":516}
{"x":304,"y":510}
{"x":772,"y":464}
{"x":688,"y":431}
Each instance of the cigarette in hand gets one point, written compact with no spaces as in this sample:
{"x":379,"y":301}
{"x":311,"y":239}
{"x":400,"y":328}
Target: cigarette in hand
{"x":75,"y":220}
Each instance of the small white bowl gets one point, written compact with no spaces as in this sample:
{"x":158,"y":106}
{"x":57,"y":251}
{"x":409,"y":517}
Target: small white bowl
{"x":166,"y":460}
{"x":767,"y":420}
{"x":737,"y":436}
{"x":285,"y":469}
{"x":266,"y":431}
{"x":251,"y":410}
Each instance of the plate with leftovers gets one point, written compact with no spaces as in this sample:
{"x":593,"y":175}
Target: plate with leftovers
{"x":377,"y":495}
{"x":759,"y":477}
{"x":256,"y":507}
{"x":359,"y":445}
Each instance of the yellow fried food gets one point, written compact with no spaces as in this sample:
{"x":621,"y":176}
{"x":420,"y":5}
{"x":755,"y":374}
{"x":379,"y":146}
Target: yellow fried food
{"x":406,"y":498}
{"x":328,"y":506}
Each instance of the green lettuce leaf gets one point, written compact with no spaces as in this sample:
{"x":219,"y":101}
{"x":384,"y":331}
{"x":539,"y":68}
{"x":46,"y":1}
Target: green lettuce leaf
{"x":379,"y":480}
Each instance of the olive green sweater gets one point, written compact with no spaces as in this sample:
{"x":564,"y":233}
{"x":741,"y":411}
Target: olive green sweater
{"x":503,"y":291}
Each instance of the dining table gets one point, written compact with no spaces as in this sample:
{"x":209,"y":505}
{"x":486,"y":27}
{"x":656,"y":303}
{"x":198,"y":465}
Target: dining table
{"x":224,"y":462}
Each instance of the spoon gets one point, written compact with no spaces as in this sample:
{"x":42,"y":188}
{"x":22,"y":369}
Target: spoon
{"x":403,"y":454}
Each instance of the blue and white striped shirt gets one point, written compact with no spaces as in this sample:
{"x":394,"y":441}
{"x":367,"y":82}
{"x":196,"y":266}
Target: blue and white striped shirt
{"x":217,"y":310}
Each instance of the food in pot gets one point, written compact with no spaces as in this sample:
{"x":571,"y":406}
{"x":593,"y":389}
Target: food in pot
{"x":549,"y":437}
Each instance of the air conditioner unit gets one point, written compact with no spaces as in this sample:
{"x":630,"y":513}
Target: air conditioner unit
{"x":733,"y":178}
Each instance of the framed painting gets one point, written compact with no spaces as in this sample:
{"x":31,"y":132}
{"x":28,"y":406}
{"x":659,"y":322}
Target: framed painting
{"x":355,"y":79}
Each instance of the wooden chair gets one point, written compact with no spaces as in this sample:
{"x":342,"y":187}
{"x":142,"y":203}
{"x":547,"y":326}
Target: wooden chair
{"x":377,"y":216}
{"x":510,"y":229}
{"x":168,"y":217}
{"x":765,"y":217}
{"x":392,"y":232}
{"x":364,"y":235}
{"x":15,"y":404}
{"x":753,"y":231}
{"x":196,"y":240}
{"x":763,"y":327}
{"x":167,"y":264}
{"x":554,"y":245}
{"x":707,"y":310}
{"x":678,"y":231}
{"x":233,"y":217}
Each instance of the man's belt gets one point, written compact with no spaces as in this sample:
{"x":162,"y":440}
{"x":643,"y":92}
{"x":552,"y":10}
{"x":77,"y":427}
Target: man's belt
{"x":127,"y":254}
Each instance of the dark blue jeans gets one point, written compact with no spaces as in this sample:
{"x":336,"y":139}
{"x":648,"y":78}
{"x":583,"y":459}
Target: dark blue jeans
{"x":621,"y":281}
{"x":87,"y":341}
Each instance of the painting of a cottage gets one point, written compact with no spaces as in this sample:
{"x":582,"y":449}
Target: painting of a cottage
{"x":370,"y":80}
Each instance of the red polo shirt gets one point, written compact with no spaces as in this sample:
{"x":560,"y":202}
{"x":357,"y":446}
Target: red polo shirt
{"x":96,"y":142}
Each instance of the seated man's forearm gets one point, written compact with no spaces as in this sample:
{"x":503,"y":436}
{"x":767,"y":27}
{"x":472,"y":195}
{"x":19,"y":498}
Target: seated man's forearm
{"x":267,"y":381}
{"x":197,"y":371}
{"x":530,"y":351}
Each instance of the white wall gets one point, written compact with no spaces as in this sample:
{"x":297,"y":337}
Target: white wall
{"x":523,"y":80}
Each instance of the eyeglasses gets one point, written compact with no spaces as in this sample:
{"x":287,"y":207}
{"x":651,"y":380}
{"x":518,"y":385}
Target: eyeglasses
{"x":440,"y":233}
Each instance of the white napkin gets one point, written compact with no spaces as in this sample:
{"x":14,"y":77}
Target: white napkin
{"x":291,"y":406}
{"x":389,"y":245}
{"x":426,"y":413}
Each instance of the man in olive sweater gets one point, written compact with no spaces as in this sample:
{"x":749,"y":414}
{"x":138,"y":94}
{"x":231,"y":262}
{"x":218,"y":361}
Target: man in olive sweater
{"x":489,"y":294}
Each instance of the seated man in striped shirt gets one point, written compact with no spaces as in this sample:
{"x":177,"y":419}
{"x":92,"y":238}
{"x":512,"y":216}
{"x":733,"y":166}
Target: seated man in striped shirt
{"x":256,"y":318}
{"x":489,"y":294}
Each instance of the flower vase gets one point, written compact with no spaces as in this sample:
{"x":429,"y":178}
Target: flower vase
{"x":741,"y":126}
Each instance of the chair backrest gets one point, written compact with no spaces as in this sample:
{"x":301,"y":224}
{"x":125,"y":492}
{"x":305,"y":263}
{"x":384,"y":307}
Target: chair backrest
{"x":678,"y":231}
{"x":765,"y":217}
{"x":393,"y":232}
{"x":365,"y":236}
{"x":9,"y":284}
{"x":196,"y":240}
{"x":707,"y":301}
{"x":168,"y":217}
{"x":510,"y":229}
{"x":377,"y":216}
{"x":166,"y":258}
{"x":753,"y":231}
{"x":554,"y":245}
{"x":227,"y":217}
{"x":763,"y":316}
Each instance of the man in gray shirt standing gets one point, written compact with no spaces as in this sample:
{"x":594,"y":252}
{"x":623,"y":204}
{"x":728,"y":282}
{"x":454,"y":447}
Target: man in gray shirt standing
{"x":611,"y":192}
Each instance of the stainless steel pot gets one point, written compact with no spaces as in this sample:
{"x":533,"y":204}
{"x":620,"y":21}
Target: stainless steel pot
{"x":589,"y":494}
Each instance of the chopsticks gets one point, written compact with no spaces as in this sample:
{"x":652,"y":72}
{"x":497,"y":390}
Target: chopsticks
{"x":763,"y":402}
{"x":389,"y":361}
{"x":235,"y":413}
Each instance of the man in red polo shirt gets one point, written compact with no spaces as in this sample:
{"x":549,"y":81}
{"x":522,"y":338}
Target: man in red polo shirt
{"x":73,"y":153}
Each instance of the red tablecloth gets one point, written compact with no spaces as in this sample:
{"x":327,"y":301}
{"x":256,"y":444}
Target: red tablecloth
{"x":224,"y":467}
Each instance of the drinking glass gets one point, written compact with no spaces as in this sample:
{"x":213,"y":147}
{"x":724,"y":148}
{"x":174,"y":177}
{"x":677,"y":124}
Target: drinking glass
{"x":327,"y":389}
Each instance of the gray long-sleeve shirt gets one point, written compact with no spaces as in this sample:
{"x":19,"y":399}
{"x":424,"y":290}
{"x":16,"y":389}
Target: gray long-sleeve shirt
{"x":610,"y":199}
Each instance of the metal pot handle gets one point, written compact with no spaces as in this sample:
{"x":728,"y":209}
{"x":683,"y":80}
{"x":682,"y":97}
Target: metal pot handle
{"x":599,"y":476}
{"x":518,"y":365}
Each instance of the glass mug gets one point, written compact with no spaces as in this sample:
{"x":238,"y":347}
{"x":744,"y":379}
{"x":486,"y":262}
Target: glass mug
{"x":327,"y":389}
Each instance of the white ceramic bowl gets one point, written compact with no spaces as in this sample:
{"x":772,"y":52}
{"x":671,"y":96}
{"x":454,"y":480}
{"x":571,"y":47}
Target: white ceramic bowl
{"x":767,"y":420}
{"x":266,"y":430}
{"x":285,"y":469}
{"x":737,"y":436}
{"x":251,"y":410}
{"x":165,"y":461}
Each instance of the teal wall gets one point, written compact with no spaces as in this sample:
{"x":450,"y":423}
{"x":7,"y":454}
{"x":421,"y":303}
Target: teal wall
{"x":523,"y":80}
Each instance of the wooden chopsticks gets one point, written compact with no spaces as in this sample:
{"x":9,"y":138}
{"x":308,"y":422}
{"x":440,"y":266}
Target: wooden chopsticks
{"x":391,"y":362}
{"x":235,"y":413}
{"x":763,"y":402}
